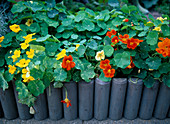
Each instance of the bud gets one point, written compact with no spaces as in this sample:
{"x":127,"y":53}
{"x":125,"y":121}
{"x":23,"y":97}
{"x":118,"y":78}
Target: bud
{"x":138,"y":71}
{"x":10,"y":51}
{"x":151,"y":69}
{"x":32,"y":111}
{"x":116,"y":25}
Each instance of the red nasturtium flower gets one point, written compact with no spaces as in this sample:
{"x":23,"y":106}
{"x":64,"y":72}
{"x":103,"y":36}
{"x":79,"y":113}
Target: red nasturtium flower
{"x":67,"y":101}
{"x":133,"y":43}
{"x":115,"y":40}
{"x":132,"y":65}
{"x":124,"y":38}
{"x":164,"y":47}
{"x":68,"y":62}
{"x":126,"y":20}
{"x":109,"y":72}
{"x":110,"y":33}
{"x":104,"y":64}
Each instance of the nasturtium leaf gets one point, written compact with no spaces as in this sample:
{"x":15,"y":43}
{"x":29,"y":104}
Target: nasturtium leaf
{"x":142,"y":74}
{"x":22,"y":89}
{"x":8,"y":76}
{"x":103,"y":78}
{"x":20,"y":35}
{"x":48,"y":62}
{"x":80,"y":16}
{"x":36,"y":87}
{"x":96,"y":29}
{"x":52,"y":13}
{"x":34,"y":27}
{"x":122,"y":60}
{"x":81,"y":50}
{"x":52,"y":46}
{"x":164,"y":68}
{"x":144,"y":46}
{"x":132,"y":33}
{"x":60,"y":74}
{"x":74,"y":36}
{"x":41,"y":39}
{"x":117,"y":21}
{"x":37,"y":74}
{"x":102,"y":32}
{"x":166,"y":80}
{"x":156,"y":74}
{"x":71,"y":49}
{"x":47,"y":79}
{"x":19,"y":7}
{"x":67,"y":34}
{"x":101,"y":24}
{"x":62,"y":16}
{"x":153,"y":62}
{"x":2,"y":61}
{"x":67,"y":22}
{"x":80,"y":27}
{"x":51,"y":22}
{"x":90,"y":12}
{"x":37,"y":47}
{"x":144,"y":54}
{"x":92,"y":45}
{"x":79,"y":64}
{"x":108,"y":50}
{"x":44,"y":29}
{"x":138,"y":28}
{"x":60,"y":29}
{"x":76,"y":76}
{"x":125,"y":8}
{"x":149,"y":82}
{"x":58,"y":85}
{"x":35,"y":6}
{"x":3,"y":82}
{"x":143,"y":33}
{"x":97,"y":37}
{"x":152,"y":38}
{"x":88,"y":73}
{"x":88,"y":25}
{"x":166,"y":30}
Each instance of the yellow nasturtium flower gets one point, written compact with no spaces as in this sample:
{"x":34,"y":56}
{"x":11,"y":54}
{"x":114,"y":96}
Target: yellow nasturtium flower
{"x":100,"y":55}
{"x":77,"y":46}
{"x":157,"y":29}
{"x":23,"y":63}
{"x":28,"y":38}
{"x":15,"y":28}
{"x":12,"y":69}
{"x":30,"y":53}
{"x":61,"y":54}
{"x":161,"y":19}
{"x":1,"y":39}
{"x":29,"y":22}
{"x":24,"y":46}
{"x":16,"y":55}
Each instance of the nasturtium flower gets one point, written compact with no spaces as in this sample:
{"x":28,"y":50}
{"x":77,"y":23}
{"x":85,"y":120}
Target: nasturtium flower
{"x":77,"y":46}
{"x":29,"y":22}
{"x":126,"y":20}
{"x":61,"y":54}
{"x":124,"y":38}
{"x":110,"y":33}
{"x":67,"y":101}
{"x":30,"y":53}
{"x":1,"y":39}
{"x":161,"y":19}
{"x":28,"y":38}
{"x":27,"y":78}
{"x":157,"y":29}
{"x":24,"y":46}
{"x":12,"y":69}
{"x":132,"y":65}
{"x":23,"y":63}
{"x":133,"y":43}
{"x":17,"y":53}
{"x":105,"y":64}
{"x":109,"y":72}
{"x":164,"y":47}
{"x":68,"y":62}
{"x":149,"y":22}
{"x":15,"y":28}
{"x":115,"y":40}
{"x":100,"y":55}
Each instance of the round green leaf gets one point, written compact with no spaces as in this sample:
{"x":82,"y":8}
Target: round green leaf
{"x":88,"y":25}
{"x":60,"y":74}
{"x":153,"y":62}
{"x":108,"y":50}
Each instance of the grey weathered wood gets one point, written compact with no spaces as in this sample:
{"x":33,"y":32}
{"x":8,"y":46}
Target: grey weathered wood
{"x":40,"y":107}
{"x":162,"y":102}
{"x":117,"y":98}
{"x":23,"y":110}
{"x":101,"y":99}
{"x":8,"y":103}
{"x":148,"y":101}
{"x":1,"y":111}
{"x":86,"y":90}
{"x":55,"y":107}
{"x":133,"y":97}
{"x":71,"y":112}
{"x":169,"y":113}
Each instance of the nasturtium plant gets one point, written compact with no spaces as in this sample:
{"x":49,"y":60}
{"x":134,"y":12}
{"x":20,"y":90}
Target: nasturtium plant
{"x":50,"y":44}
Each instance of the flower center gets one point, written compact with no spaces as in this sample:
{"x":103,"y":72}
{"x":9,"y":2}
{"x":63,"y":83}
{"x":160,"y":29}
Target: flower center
{"x":105,"y":64}
{"x":66,"y":100}
{"x":109,"y":71}
{"x":68,"y":61}
{"x":131,"y":43}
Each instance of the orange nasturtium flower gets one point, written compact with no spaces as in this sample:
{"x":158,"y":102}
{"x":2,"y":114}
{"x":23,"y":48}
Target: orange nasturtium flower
{"x":124,"y":38}
{"x":67,"y":101}
{"x":68,"y":62}
{"x":115,"y":40}
{"x":109,"y":72}
{"x":126,"y":20}
{"x":132,"y":65}
{"x":15,"y":28}
{"x":164,"y":47}
{"x":133,"y":43}
{"x":110,"y":33}
{"x":1,"y":39}
{"x":105,"y":64}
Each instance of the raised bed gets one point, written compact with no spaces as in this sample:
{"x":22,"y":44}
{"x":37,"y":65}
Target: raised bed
{"x":116,"y":99}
